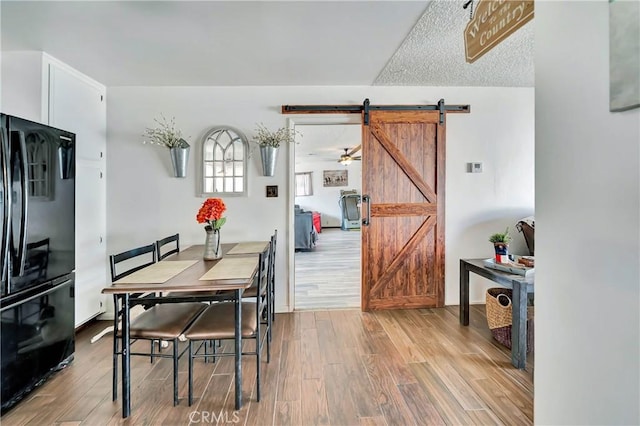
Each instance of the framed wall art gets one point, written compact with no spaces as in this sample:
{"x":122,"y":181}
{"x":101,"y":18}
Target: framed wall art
{"x":624,"y":55}
{"x":272,"y":191}
{"x":335,"y":178}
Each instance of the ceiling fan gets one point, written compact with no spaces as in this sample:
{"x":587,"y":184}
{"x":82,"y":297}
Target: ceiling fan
{"x":348,"y":156}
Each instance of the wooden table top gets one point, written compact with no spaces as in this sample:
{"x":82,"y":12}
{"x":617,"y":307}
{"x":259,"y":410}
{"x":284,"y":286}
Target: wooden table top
{"x":189,"y":279}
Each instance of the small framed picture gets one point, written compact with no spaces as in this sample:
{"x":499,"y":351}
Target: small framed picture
{"x":335,"y":178}
{"x":272,"y":191}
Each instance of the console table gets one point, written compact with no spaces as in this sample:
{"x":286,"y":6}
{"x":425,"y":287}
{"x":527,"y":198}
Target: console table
{"x":520,"y":285}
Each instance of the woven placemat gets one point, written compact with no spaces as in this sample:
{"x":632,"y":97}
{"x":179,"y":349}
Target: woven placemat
{"x":157,"y":273}
{"x":232,"y":268}
{"x":250,"y":247}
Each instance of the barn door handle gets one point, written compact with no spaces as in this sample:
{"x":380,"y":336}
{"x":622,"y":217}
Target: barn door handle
{"x":367,"y":199}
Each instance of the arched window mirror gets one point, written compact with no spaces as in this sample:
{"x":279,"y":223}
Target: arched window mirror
{"x":224,"y":162}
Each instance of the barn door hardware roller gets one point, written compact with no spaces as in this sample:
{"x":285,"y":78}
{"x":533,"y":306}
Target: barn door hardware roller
{"x":366,"y":108}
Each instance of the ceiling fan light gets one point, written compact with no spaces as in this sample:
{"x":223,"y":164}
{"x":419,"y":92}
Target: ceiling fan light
{"x":345,"y":160}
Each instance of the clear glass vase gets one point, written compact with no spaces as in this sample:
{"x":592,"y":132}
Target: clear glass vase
{"x":212,"y":247}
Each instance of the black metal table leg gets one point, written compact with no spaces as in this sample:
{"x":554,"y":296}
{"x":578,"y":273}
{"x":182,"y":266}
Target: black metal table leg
{"x":126,"y":358}
{"x":464,"y":293}
{"x":238,"y":354}
{"x":519,"y":327}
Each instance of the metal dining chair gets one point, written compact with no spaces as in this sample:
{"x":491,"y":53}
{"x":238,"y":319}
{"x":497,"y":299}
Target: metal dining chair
{"x":269,"y":292}
{"x":172,"y":239}
{"x":159,"y":322}
{"x":272,"y":275}
{"x":217,"y":322}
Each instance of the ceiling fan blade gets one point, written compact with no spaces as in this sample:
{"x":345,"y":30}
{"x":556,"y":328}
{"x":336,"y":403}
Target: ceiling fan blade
{"x":356,"y":158}
{"x":354,"y":150}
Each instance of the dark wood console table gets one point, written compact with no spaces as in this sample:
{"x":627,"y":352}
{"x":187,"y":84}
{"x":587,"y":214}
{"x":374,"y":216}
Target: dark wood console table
{"x":520,"y":286}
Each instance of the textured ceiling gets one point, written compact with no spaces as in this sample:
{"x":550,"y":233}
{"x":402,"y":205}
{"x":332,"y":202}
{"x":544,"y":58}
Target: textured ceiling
{"x":433,"y":52}
{"x":240,"y":43}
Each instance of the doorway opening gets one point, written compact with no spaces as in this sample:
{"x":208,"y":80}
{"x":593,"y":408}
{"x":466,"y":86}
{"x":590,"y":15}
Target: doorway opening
{"x":325,"y":200}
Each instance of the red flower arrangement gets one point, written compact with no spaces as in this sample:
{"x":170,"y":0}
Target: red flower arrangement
{"x":211,"y":214}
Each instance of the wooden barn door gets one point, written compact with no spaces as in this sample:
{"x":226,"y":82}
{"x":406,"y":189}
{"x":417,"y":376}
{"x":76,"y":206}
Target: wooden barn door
{"x":403,"y":174}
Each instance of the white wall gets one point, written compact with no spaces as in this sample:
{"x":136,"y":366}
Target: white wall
{"x":21,"y":85}
{"x":587,"y":226}
{"x":145,"y":202}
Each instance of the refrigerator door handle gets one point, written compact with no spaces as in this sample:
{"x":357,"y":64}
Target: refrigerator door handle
{"x":35,"y":296}
{"x":6,"y":191}
{"x":22,"y":250}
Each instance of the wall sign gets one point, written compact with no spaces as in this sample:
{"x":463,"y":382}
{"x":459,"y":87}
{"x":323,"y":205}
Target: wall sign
{"x":493,"y":21}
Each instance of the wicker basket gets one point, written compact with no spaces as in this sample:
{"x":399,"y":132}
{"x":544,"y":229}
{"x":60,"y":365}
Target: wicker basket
{"x":499,"y":310}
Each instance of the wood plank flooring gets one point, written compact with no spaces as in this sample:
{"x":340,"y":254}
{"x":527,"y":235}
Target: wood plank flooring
{"x":330,"y":367}
{"x":329,"y":275}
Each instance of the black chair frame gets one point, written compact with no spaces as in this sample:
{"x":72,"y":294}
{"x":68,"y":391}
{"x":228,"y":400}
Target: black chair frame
{"x":167,"y":240}
{"x":261,"y":335}
{"x":272,"y":275}
{"x":148,"y":301}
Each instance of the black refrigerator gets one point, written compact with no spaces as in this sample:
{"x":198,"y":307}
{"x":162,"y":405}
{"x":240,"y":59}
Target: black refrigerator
{"x":37,"y":201}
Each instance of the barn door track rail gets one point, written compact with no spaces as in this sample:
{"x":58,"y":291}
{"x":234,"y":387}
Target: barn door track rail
{"x":366,"y":107}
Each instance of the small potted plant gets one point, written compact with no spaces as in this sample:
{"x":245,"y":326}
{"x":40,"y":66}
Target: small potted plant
{"x":269,"y":141}
{"x":168,"y":136}
{"x":501,"y":245}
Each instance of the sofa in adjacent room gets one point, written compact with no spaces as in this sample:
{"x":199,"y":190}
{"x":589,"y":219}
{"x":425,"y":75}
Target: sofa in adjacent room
{"x":305,"y":232}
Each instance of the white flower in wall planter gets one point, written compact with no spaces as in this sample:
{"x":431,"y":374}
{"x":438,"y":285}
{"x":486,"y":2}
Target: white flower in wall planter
{"x":269,"y":142}
{"x":168,"y":136}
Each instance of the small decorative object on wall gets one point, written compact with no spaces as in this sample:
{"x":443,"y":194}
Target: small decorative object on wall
{"x":272,"y":191}
{"x":269,"y":142}
{"x":624,"y":55}
{"x":335,"y":178}
{"x":210,"y":213}
{"x":168,"y":136}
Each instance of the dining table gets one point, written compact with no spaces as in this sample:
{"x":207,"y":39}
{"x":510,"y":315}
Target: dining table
{"x":186,"y":272}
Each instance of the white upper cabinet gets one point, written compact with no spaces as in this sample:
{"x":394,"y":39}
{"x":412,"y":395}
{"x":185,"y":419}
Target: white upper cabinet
{"x":78,"y":104}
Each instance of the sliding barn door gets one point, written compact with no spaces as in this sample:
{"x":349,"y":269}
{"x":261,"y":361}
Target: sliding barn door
{"x":403,"y":164}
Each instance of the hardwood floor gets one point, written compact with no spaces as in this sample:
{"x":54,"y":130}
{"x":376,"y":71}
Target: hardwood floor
{"x":329,"y":275}
{"x":336,"y":367}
